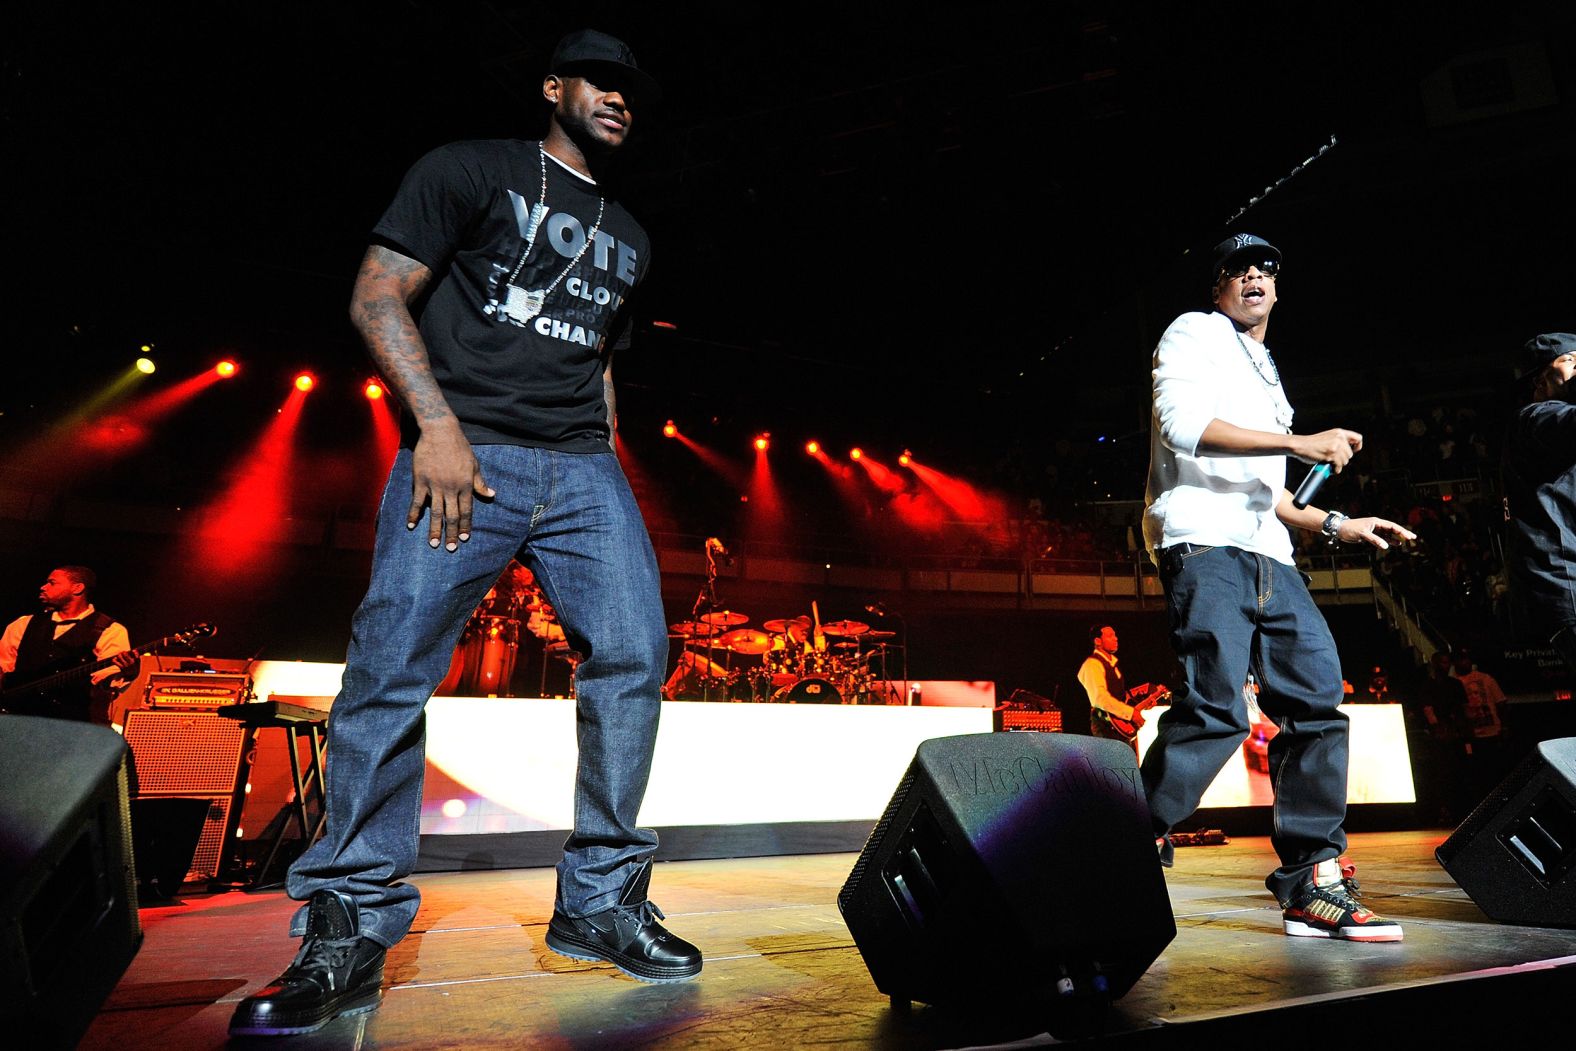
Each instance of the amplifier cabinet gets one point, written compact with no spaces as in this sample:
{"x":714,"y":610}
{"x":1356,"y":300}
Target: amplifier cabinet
{"x":195,"y":755}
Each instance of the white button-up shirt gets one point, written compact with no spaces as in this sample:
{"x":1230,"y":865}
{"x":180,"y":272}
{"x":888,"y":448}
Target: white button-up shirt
{"x":1204,"y":370}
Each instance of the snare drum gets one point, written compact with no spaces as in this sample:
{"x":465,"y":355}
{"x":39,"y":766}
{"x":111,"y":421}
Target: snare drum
{"x":809,"y":691}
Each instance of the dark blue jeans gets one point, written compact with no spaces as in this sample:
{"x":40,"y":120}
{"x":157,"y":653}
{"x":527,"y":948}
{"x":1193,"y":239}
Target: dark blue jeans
{"x":1232,"y":612}
{"x":573,"y":522}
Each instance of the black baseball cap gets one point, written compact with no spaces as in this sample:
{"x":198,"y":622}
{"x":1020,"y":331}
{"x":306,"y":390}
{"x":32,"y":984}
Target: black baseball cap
{"x":1243,"y":245}
{"x":1538,"y":351}
{"x":586,"y":51}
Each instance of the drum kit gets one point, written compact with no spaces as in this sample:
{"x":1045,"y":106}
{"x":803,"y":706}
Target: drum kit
{"x":796,"y":660}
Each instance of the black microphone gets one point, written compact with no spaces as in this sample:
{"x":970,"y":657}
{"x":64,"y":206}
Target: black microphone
{"x":1310,"y":485}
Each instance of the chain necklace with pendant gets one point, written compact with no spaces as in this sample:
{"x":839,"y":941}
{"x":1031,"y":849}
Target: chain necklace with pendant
{"x":521,"y":304}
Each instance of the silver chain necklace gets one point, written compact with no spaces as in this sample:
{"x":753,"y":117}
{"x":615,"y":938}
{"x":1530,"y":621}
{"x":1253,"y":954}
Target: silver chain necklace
{"x":523,"y":305}
{"x":1273,"y":379}
{"x":1283,"y":410}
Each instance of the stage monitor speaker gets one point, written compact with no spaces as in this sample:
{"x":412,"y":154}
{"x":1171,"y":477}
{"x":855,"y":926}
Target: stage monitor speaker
{"x":68,"y":898}
{"x":1515,"y":855}
{"x":1015,"y":867}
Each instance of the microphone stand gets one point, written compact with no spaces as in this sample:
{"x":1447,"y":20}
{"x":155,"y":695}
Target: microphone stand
{"x":881,"y":611}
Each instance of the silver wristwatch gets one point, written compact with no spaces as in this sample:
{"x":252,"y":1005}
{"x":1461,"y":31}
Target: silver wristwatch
{"x":1332,"y":525}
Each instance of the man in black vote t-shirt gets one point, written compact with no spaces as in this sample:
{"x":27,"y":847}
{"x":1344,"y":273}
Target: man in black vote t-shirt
{"x":526,"y":264}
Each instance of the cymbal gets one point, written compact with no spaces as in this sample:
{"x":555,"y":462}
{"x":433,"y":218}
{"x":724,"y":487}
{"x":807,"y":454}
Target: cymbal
{"x":693,"y":627}
{"x":746,"y":640}
{"x":880,"y":634}
{"x":782,"y":624}
{"x":724,"y":617}
{"x":845,"y":627}
{"x":845,"y":645}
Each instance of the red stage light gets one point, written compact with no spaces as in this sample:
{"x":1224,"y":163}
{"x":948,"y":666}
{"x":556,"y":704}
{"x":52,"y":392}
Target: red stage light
{"x":225,"y":369}
{"x":905,"y":459}
{"x":812,"y":447}
{"x":670,"y":326}
{"x":763,"y":442}
{"x":373,"y":390}
{"x":856,"y":453}
{"x":669,"y":430}
{"x":305,"y":382}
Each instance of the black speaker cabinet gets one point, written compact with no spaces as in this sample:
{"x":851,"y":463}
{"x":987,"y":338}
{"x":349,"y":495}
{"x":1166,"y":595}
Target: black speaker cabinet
{"x":68,"y":899}
{"x":1514,"y":855}
{"x":1010,"y":865}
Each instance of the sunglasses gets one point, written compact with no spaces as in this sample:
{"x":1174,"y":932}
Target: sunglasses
{"x":1267,"y":267}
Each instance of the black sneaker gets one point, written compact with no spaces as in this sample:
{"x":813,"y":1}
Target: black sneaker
{"x":627,"y":936}
{"x":1327,"y":907}
{"x":336,"y":973}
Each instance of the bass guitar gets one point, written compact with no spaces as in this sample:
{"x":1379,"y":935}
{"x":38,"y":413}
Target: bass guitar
{"x":1141,"y":697}
{"x":54,"y":689}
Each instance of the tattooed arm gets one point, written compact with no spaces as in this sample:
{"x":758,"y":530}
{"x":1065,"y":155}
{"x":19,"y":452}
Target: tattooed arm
{"x":612,"y":405}
{"x":446,"y":475}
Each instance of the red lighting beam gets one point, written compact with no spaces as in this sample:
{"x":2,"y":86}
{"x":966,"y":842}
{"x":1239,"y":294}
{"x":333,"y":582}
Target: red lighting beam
{"x":94,"y":439}
{"x":886,"y":479}
{"x":385,"y":436}
{"x":984,"y":511}
{"x":249,"y":518}
{"x":715,"y":462}
{"x":648,"y":495}
{"x":765,"y":518}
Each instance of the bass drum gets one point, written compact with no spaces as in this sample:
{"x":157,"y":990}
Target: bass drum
{"x":809,"y":691}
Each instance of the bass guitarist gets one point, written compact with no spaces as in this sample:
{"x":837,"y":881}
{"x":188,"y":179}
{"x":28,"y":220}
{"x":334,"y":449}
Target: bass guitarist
{"x":69,"y":632}
{"x":1115,"y":712}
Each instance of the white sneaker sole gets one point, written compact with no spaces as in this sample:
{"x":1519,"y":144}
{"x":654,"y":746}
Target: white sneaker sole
{"x":1390,"y":932}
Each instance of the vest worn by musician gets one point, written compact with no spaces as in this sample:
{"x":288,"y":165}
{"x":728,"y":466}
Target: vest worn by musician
{"x":1101,"y":722}
{"x":40,"y":653}
{"x":1114,"y":684}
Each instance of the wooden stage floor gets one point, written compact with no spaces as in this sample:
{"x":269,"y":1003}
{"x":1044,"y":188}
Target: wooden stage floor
{"x":781,"y":967}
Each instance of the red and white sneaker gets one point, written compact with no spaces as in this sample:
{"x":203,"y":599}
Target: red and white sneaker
{"x":1327,"y":907}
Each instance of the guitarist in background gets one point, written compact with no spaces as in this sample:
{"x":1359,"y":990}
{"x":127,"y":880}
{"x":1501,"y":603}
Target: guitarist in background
{"x":1114,"y":712}
{"x":72,"y":633}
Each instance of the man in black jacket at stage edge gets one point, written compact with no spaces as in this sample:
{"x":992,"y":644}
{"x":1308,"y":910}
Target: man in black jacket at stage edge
{"x":524,"y":262}
{"x":1539,"y":472}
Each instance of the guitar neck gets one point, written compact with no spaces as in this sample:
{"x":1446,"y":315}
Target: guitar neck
{"x":81,"y":671}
